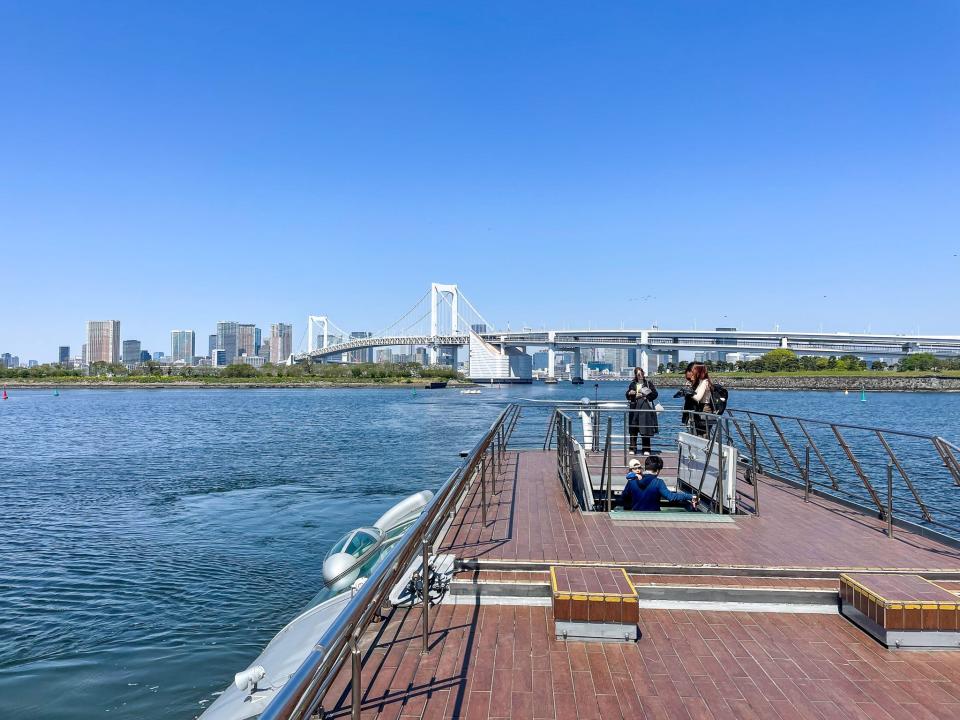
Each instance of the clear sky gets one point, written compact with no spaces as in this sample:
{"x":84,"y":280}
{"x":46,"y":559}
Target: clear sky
{"x":730,"y":163}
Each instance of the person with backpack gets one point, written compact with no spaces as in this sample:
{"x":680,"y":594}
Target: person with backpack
{"x":710,"y":399}
{"x":641,"y":395}
{"x":686,"y":392}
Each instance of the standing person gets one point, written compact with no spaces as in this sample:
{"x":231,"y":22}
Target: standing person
{"x":689,"y":404}
{"x":641,"y":395}
{"x":702,"y":396}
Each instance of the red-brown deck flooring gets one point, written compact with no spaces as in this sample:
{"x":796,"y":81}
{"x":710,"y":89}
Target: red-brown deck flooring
{"x":494,"y":661}
{"x":502,"y":661}
{"x":529,"y":519}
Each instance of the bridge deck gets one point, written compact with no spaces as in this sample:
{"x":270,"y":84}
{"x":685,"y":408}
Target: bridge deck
{"x":502,"y":661}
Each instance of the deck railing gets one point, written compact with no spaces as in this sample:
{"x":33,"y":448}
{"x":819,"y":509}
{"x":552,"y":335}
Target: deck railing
{"x":908,"y":479}
{"x":301,"y":695}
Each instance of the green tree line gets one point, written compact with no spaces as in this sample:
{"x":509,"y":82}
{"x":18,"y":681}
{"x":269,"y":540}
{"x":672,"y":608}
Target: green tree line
{"x":785,"y":360}
{"x":362,"y":372}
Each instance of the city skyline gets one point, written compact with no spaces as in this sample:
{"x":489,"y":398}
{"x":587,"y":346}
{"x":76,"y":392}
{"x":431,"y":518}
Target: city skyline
{"x":805,"y":153}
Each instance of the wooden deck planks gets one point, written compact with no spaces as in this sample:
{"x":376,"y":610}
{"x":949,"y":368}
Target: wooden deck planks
{"x":500,"y":661}
{"x":528,"y":519}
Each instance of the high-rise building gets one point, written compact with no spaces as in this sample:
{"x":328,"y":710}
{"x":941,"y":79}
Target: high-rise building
{"x":218,"y":357}
{"x":281,"y":342}
{"x":541,"y":360}
{"x":479,"y":328}
{"x":7,"y":360}
{"x":63,"y":357}
{"x":32,"y":363}
{"x":103,"y":341}
{"x":227,"y":339}
{"x":246,"y":339}
{"x":363,"y":355}
{"x":181,"y":345}
{"x":145,"y":356}
{"x":83,"y":354}
{"x":131,"y":352}
{"x":257,"y":341}
{"x":211,"y":345}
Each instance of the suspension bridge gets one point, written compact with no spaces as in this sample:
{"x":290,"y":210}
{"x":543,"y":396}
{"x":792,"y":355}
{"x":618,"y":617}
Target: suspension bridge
{"x":444,"y":321}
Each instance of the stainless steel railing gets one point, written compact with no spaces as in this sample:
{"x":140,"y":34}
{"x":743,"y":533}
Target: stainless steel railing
{"x":303,"y":693}
{"x":907,"y":478}
{"x":610,"y":423}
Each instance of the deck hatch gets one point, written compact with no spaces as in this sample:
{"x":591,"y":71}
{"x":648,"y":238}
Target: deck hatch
{"x":594,"y":603}
{"x":901,"y":610}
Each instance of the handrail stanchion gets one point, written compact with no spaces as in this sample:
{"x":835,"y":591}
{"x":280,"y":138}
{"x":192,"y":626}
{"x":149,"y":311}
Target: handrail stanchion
{"x":890,"y":500}
{"x":483,"y":491}
{"x":626,"y":431}
{"x":857,"y":468}
{"x":906,"y":478}
{"x":720,"y":468}
{"x":754,"y":474}
{"x":425,"y":575}
{"x":356,"y":689}
{"x":608,"y":465}
{"x":806,"y":474}
{"x":823,"y":462}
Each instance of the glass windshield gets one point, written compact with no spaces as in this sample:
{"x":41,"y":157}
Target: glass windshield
{"x":356,"y":542}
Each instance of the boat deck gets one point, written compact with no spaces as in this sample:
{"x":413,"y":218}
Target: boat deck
{"x":529,"y":521}
{"x":501,"y":660}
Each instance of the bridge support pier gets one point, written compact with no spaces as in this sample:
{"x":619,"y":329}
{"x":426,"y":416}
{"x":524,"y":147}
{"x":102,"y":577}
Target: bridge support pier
{"x":551,"y":354}
{"x":576,"y":370}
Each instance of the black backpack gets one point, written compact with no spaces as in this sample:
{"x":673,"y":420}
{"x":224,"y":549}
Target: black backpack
{"x":718,"y":397}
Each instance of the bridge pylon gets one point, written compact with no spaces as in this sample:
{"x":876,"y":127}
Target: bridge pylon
{"x":312,"y":322}
{"x":437,"y":291}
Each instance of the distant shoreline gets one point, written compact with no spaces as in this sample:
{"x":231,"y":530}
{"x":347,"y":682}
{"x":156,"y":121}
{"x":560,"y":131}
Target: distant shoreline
{"x":106,"y":385}
{"x":832,"y":383}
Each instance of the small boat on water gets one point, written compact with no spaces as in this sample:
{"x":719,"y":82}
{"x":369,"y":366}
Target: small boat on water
{"x":550,"y":381}
{"x":471,"y":391}
{"x":347,"y":564}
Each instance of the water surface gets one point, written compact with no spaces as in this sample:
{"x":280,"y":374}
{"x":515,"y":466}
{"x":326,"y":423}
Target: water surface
{"x":154,"y":540}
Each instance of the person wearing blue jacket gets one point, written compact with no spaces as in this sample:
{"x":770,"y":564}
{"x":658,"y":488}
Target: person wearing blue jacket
{"x":643,"y":494}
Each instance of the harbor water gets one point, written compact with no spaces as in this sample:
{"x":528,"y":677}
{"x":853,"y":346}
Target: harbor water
{"x":153,"y":541}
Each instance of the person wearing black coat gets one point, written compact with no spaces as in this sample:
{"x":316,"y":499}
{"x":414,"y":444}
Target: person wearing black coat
{"x":642,"y":418}
{"x":690,"y":405}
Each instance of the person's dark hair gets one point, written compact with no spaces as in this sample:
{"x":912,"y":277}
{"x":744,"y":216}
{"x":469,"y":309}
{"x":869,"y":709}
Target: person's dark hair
{"x":636,"y":370}
{"x":653,"y":464}
{"x":699,"y":373}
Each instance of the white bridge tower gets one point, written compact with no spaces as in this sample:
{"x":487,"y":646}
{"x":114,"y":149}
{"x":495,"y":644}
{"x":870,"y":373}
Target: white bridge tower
{"x":437,"y":292}
{"x":312,"y":322}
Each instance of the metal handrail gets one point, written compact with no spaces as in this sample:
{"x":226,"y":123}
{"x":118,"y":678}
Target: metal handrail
{"x":840,"y":449}
{"x":304,"y":690}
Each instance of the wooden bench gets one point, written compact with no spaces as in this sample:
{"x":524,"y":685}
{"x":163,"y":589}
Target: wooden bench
{"x":594,"y":603}
{"x":901,"y":610}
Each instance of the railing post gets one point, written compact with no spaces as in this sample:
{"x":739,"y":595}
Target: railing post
{"x":890,"y":500}
{"x":608,"y":464}
{"x":720,"y":469}
{"x":754,"y":473}
{"x":806,"y":474}
{"x":483,"y":490}
{"x":355,"y":687}
{"x":425,"y":574}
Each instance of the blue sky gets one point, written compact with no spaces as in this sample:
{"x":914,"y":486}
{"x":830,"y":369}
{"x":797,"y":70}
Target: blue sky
{"x":173,"y":164}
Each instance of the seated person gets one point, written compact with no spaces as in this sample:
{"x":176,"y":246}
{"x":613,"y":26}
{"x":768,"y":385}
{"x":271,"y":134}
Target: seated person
{"x":643,"y":493}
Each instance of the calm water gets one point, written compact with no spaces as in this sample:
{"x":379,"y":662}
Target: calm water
{"x":153,"y":541}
